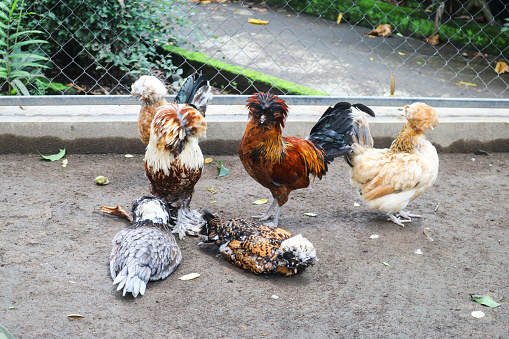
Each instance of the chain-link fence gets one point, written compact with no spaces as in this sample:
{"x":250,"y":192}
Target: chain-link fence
{"x":426,"y":48}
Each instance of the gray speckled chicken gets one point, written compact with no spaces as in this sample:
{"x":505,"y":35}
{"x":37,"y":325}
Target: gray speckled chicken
{"x":147,"y":250}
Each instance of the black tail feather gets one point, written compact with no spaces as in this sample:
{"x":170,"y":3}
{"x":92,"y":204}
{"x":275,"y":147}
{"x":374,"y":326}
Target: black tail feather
{"x":190,"y":88}
{"x":333,"y":131}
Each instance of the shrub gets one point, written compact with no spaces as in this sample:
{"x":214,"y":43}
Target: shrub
{"x":110,"y":40}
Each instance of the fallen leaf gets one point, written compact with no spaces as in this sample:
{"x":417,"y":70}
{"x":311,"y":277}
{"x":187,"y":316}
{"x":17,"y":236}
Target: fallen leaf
{"x":399,"y":34}
{"x":4,"y":334}
{"x":129,"y":156}
{"x":501,"y":67}
{"x":213,"y":202}
{"x":465,"y":83}
{"x":260,"y":202}
{"x":418,"y":251}
{"x":275,"y":297}
{"x":393,"y":84}
{"x":211,"y":190}
{"x":189,"y":276}
{"x":485,"y":300}
{"x":371,"y":59}
{"x":311,"y":214}
{"x":356,"y":204}
{"x":401,"y":53}
{"x":257,"y":21}
{"x":75,"y":316}
{"x":101,"y":180}
{"x":419,"y":63}
{"x":222,"y":170}
{"x":374,"y":236}
{"x":65,"y":162}
{"x":53,"y":157}
{"x":381,"y":30}
{"x":425,"y":231}
{"x":477,"y":314}
{"x":12,"y":307}
{"x":339,"y":18}
{"x":386,"y":263}
{"x":208,"y":160}
{"x":433,"y":40}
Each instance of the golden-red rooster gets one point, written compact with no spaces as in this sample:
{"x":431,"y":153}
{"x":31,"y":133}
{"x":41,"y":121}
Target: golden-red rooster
{"x":173,"y":159}
{"x":256,"y":247}
{"x":151,"y":92}
{"x":388,"y":179}
{"x":283,"y":164}
{"x":145,"y":251}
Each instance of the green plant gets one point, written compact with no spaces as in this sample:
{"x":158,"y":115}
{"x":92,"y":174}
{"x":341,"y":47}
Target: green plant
{"x":18,"y":65}
{"x":506,"y":25}
{"x":116,"y":37}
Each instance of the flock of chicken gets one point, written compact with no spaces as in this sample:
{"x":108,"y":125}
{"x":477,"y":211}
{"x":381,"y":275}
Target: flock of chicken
{"x":388,"y":179}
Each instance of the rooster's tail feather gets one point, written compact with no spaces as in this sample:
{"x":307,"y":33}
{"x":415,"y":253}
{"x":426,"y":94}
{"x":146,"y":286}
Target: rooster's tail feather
{"x":195,"y":92}
{"x":361,"y":134}
{"x":334,"y":131}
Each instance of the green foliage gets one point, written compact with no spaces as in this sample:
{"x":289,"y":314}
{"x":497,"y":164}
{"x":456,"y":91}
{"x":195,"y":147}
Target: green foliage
{"x":19,"y":64}
{"x":506,"y":25}
{"x":116,"y":37}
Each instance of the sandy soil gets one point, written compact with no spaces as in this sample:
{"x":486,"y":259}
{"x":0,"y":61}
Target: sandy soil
{"x":54,"y":256}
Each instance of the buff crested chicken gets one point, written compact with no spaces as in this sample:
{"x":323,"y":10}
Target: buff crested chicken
{"x":388,"y":179}
{"x":256,"y":247}
{"x":283,"y":164}
{"x":173,"y":159}
{"x":147,"y":250}
{"x":151,"y":92}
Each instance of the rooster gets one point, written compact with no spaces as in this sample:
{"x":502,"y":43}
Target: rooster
{"x":173,"y":159}
{"x":151,"y":92}
{"x":283,"y":164}
{"x":145,"y":251}
{"x":388,"y":179}
{"x":256,"y":247}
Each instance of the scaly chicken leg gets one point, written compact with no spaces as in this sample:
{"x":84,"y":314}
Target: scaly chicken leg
{"x":189,"y":221}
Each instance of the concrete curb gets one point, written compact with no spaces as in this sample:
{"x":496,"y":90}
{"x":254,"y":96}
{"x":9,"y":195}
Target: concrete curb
{"x":113,"y":128}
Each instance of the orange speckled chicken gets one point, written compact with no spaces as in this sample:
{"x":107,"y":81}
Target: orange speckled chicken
{"x":173,"y":159}
{"x":151,"y":92}
{"x":256,"y":247}
{"x":283,"y":164}
{"x":388,"y":179}
{"x":146,"y":250}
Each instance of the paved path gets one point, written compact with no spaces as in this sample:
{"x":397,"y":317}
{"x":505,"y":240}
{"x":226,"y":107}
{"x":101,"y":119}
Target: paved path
{"x":340,"y":59}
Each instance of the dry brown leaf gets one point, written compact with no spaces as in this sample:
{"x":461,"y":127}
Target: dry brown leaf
{"x":501,"y":67}
{"x":381,"y":30}
{"x":75,"y":316}
{"x":393,"y":84}
{"x":434,"y":39}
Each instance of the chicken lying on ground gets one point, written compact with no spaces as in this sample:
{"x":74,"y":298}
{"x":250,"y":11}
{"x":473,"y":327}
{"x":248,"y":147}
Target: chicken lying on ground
{"x":256,"y":247}
{"x":151,"y":92}
{"x":389,"y":179}
{"x":283,"y":164}
{"x":173,"y":160}
{"x":145,"y":251}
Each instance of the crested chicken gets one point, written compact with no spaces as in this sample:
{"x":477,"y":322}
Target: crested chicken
{"x":256,"y":247}
{"x":151,"y":92}
{"x":173,"y":159}
{"x":388,"y":179}
{"x":283,"y":164}
{"x":147,"y":250}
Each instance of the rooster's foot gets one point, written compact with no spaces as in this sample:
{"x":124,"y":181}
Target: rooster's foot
{"x":397,"y":220}
{"x":407,"y":215}
{"x":189,"y":222}
{"x":269,"y":214}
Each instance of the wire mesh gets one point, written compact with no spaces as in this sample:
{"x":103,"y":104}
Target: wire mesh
{"x":453,"y":48}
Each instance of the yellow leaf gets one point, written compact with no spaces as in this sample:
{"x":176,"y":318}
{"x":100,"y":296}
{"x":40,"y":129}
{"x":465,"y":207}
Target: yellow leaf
{"x":311,"y":214}
{"x":401,"y":53}
{"x":189,"y":276}
{"x":257,"y":21}
{"x":371,"y":59}
{"x":208,"y":160}
{"x":213,"y":202}
{"x":393,"y":84}
{"x":260,"y":202}
{"x":501,"y":67}
{"x":339,"y":18}
{"x":466,"y":83}
{"x":211,"y":190}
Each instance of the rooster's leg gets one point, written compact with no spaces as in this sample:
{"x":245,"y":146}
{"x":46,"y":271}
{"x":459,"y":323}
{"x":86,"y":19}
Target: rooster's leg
{"x":276,"y":218}
{"x":188,"y":221}
{"x":408,"y":215}
{"x":269,"y":214}
{"x":397,"y":220}
{"x":180,"y":227}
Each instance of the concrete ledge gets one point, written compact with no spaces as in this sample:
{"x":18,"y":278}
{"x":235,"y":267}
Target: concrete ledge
{"x":113,"y":128}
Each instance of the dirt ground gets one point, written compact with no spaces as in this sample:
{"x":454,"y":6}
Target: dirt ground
{"x":54,"y":257}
